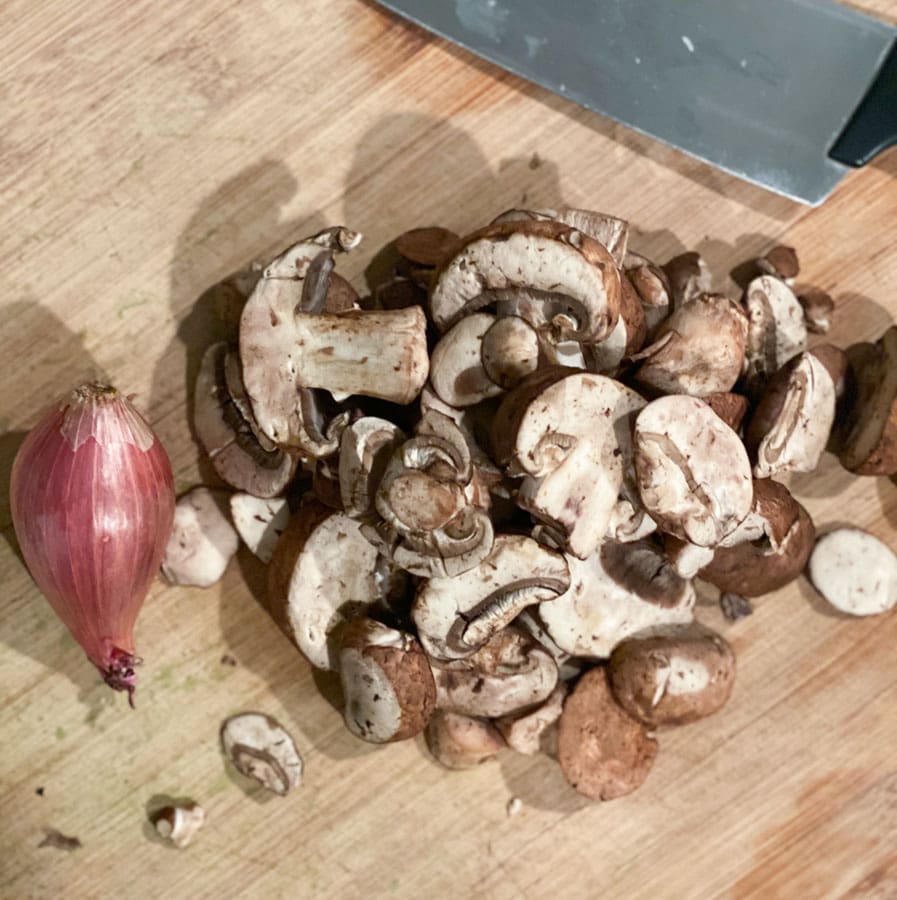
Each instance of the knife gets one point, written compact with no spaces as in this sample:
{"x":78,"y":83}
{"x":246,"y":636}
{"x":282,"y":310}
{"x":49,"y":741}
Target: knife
{"x":788,"y":94}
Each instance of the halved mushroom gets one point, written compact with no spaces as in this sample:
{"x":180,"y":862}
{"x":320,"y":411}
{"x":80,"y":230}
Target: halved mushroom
{"x":227,"y":437}
{"x":604,"y":752}
{"x":366,"y":447}
{"x":694,"y":475}
{"x":259,"y":522}
{"x":323,"y":573}
{"x":652,"y":287}
{"x":202,"y":541}
{"x":457,"y":372}
{"x":689,"y":277}
{"x":678,"y":675}
{"x":698,"y":350}
{"x":508,"y":674}
{"x":855,"y":572}
{"x":535,"y":731}
{"x":562,"y":282}
{"x":388,"y":688}
{"x":456,"y":616}
{"x":776,"y":328}
{"x":461,"y":742}
{"x":289,"y":347}
{"x":261,"y":748}
{"x":619,"y":591}
{"x":791,"y":424}
{"x":568,"y":433}
{"x":870,"y":442}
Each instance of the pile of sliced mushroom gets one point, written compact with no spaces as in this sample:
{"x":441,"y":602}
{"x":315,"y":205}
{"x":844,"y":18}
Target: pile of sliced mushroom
{"x":502,"y":555}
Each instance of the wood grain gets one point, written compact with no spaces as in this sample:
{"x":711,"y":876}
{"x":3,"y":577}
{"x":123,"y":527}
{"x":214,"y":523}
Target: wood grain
{"x":146,"y":151}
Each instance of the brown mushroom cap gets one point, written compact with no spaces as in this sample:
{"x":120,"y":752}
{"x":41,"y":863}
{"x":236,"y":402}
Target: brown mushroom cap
{"x":689,"y":277}
{"x":461,"y":742}
{"x":652,"y":286}
{"x":427,"y":247}
{"x":818,"y":309}
{"x":604,"y":752}
{"x":781,"y":262}
{"x":679,"y":675}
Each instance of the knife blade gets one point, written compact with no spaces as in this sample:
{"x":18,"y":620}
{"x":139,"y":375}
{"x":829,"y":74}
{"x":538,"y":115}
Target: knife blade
{"x":787,"y":94}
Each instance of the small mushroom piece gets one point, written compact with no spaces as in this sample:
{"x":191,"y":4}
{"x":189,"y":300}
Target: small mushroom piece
{"x":731,"y":408}
{"x":689,"y":277}
{"x":508,"y":674}
{"x":461,"y":742}
{"x":854,"y":571}
{"x":562,"y":282}
{"x":535,"y":731}
{"x":227,"y":436}
{"x":179,"y":824}
{"x":261,"y":748}
{"x":604,"y":752}
{"x":652,"y":287}
{"x":776,"y":328}
{"x":780,"y":262}
{"x":619,"y":591}
{"x":458,"y":615}
{"x":388,"y":688}
{"x":678,"y":675}
{"x":426,"y":247}
{"x":323,"y":573}
{"x":694,"y":475}
{"x":791,"y":424}
{"x":818,"y":307}
{"x":510,"y":351}
{"x":870,"y":441}
{"x":259,"y":522}
{"x":366,"y":447}
{"x":698,"y":350}
{"x":202,"y":541}
{"x":457,"y":373}
{"x":289,"y":346}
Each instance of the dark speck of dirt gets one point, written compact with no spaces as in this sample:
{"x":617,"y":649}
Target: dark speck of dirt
{"x":228,"y":660}
{"x":39,"y":791}
{"x":54,"y":838}
{"x":535,"y":161}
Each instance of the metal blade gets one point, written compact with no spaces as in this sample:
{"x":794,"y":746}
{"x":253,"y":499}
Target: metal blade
{"x":759,"y":88}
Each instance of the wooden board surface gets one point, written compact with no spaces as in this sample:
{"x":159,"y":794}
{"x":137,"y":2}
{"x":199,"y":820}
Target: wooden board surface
{"x":149,"y":149}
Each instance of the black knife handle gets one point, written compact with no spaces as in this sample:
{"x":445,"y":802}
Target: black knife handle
{"x":873,"y":126}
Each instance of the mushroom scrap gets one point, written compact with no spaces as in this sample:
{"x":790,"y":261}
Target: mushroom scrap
{"x":485,"y":493}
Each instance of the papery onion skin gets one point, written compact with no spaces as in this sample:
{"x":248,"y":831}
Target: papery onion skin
{"x":92,"y":499}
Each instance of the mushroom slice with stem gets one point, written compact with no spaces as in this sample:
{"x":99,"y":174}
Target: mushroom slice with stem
{"x":228,"y":438}
{"x":366,"y":447}
{"x":461,"y":742}
{"x":535,"y":731}
{"x":776,"y":328}
{"x":261,"y":748}
{"x":508,"y":674}
{"x":456,"y":616}
{"x":290,"y":346}
{"x":457,"y":372}
{"x":678,"y":675}
{"x":562,"y":282}
{"x":854,"y":571}
{"x":694,"y":475}
{"x":388,"y":688}
{"x":619,"y":591}
{"x":259,"y":522}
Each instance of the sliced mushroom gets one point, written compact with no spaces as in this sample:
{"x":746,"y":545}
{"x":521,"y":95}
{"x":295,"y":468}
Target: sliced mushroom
{"x":261,"y":748}
{"x":776,"y":328}
{"x":388,"y":688}
{"x":510,"y":351}
{"x":625,"y":340}
{"x":698,"y":350}
{"x":323,"y":572}
{"x":619,"y":591}
{"x":227,"y":437}
{"x":202,"y":541}
{"x":366,"y":447}
{"x":456,"y":616}
{"x":679,"y":675}
{"x":689,"y":277}
{"x":818,"y":307}
{"x":259,"y":522}
{"x":855,"y":572}
{"x":535,"y":731}
{"x":694,"y":475}
{"x":508,"y":674}
{"x":791,"y":424}
{"x":562,"y":282}
{"x":289,"y":346}
{"x":604,"y":752}
{"x":870,"y":442}
{"x":652,"y":286}
{"x":457,"y":372}
{"x":461,"y":742}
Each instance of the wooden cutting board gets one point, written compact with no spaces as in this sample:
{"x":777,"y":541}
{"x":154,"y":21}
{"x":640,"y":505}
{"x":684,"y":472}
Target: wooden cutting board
{"x":149,"y":149}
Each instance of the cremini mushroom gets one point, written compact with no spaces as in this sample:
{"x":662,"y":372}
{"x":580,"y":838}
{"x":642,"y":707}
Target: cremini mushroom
{"x":818,"y":308}
{"x":366,"y":446}
{"x":776,"y":328}
{"x":652,"y":287}
{"x":461,"y":742}
{"x":259,"y":522}
{"x":535,"y":731}
{"x":261,"y":748}
{"x":781,"y":262}
{"x":688,"y":276}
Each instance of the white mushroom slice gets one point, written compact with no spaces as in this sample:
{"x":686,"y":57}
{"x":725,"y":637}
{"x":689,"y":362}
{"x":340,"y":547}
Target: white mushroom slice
{"x":461,"y":742}
{"x":610,"y":600}
{"x":571,"y":283}
{"x":456,"y":364}
{"x":855,"y":572}
{"x":792,"y":422}
{"x":260,"y":748}
{"x":569,"y":433}
{"x":532,"y":732}
{"x":202,"y":541}
{"x":289,"y":346}
{"x":509,"y":674}
{"x":323,"y":572}
{"x":456,"y":616}
{"x":694,"y":475}
{"x":259,"y":522}
{"x":510,"y":351}
{"x":388,"y":688}
{"x":776,"y":327}
{"x":366,"y":447}
{"x":179,"y":824}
